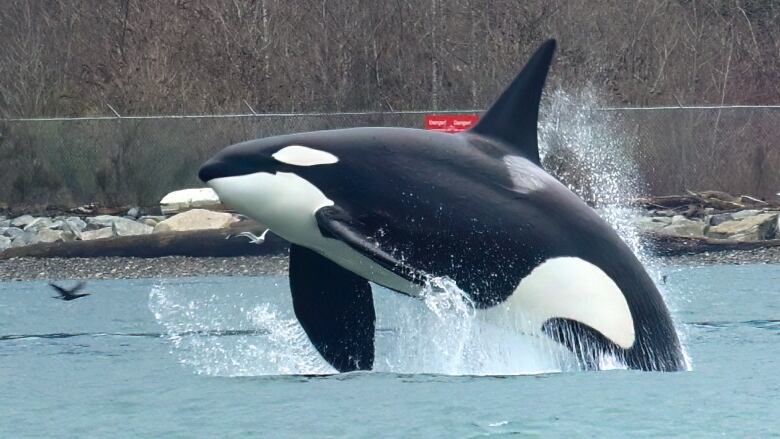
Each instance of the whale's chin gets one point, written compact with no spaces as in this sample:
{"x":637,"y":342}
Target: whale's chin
{"x":284,"y":202}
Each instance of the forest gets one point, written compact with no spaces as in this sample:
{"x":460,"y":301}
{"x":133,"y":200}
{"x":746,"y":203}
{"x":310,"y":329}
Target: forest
{"x":78,"y":57}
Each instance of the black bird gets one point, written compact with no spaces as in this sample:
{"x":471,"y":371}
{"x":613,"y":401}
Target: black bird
{"x":69,"y":294}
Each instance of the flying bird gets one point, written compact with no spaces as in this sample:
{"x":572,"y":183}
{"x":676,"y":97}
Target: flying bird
{"x":253,"y":239}
{"x":68,"y":293}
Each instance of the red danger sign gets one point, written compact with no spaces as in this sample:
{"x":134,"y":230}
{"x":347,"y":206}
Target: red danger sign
{"x":450,"y":123}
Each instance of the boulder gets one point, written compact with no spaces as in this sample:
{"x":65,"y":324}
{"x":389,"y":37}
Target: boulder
{"x":151,"y":222}
{"x":652,"y":223}
{"x":714,"y":220}
{"x":196,"y":219}
{"x":48,"y":235}
{"x":185,"y":199}
{"x":72,"y":230}
{"x":134,"y":212}
{"x":76,"y":223}
{"x":742,"y":214}
{"x":105,"y":232}
{"x":5,"y":242}
{"x":121,"y":226}
{"x":22,"y":221}
{"x":5,"y":223}
{"x":128,"y":227}
{"x":38,"y":224}
{"x":101,"y":221}
{"x":681,"y":226}
{"x":752,"y":228}
{"x":155,"y":218}
{"x":26,"y":238}
{"x":13,"y":232}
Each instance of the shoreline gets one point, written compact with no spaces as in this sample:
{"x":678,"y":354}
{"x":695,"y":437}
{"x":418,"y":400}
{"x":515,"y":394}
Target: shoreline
{"x":29,"y":269}
{"x":25,"y":269}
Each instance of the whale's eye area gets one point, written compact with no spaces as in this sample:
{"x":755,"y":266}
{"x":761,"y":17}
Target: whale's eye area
{"x":304,"y":156}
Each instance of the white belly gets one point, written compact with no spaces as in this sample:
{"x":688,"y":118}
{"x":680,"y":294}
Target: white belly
{"x":287,"y":203}
{"x":568,"y":288}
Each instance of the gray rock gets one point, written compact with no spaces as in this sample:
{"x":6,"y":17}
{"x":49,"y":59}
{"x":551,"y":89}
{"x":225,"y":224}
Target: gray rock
{"x":151,"y":222}
{"x":13,"y":232}
{"x":70,"y":232}
{"x":134,"y":212}
{"x":76,"y":223}
{"x":44,"y":223}
{"x":127,"y":227}
{"x":105,"y":232}
{"x":665,"y":212}
{"x":5,"y":242}
{"x":26,"y":238}
{"x":121,"y":226}
{"x":100,"y":221}
{"x":753,"y":228}
{"x":22,"y":221}
{"x":652,"y":224}
{"x":48,"y":235}
{"x":38,"y":224}
{"x":714,"y":220}
{"x":742,"y":214}
{"x":681,"y":226}
{"x":5,"y":223}
{"x":195,"y":219}
{"x":70,"y":235}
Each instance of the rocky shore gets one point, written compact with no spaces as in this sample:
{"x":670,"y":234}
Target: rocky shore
{"x":697,"y":228}
{"x":710,"y":214}
{"x":26,"y":230}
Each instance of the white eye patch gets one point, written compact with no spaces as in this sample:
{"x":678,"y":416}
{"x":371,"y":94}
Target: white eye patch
{"x":304,"y":156}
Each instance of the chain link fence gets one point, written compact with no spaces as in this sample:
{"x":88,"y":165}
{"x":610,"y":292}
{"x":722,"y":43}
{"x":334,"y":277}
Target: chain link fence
{"x":136,"y":160}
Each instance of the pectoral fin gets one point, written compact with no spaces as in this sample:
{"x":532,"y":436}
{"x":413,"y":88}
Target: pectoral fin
{"x":335,"y":308}
{"x":335,"y":223}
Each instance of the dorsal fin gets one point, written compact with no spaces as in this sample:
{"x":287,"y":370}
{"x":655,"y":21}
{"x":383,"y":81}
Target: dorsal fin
{"x":512,"y":118}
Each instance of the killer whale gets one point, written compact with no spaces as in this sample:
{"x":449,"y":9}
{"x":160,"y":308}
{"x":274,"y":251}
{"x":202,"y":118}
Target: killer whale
{"x":396,"y":205}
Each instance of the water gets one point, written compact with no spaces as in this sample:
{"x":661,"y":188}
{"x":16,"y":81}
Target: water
{"x":212,"y":357}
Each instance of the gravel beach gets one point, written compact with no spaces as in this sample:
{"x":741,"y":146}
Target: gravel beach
{"x":127,"y":268}
{"x":178,"y":266}
{"x":767,"y":255}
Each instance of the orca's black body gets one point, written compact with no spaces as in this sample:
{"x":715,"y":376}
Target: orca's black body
{"x":475,"y":207}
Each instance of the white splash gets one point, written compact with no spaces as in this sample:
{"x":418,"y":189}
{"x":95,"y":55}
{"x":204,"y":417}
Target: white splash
{"x":270,"y":343}
{"x":441,"y":334}
{"x":444,"y":334}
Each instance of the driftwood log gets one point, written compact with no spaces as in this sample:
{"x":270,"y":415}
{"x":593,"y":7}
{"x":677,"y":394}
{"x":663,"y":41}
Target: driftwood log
{"x":694,"y":201}
{"x":214,"y":243}
{"x":667,"y":245}
{"x":198,"y":243}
